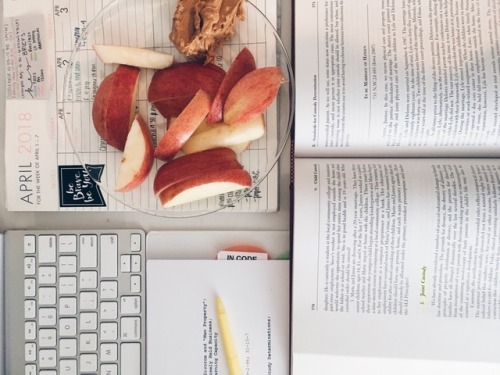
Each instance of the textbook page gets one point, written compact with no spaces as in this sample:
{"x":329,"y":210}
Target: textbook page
{"x":397,"y":78}
{"x":396,"y":259}
{"x":183,"y":334}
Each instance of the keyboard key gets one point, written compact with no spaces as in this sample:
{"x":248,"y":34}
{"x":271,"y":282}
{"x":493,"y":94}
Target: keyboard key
{"x":48,"y":337}
{"x":47,"y":295}
{"x":109,"y":369}
{"x":88,"y":300}
{"x":130,"y":304}
{"x":68,"y":367}
{"x":130,"y":328}
{"x":67,"y":243}
{"x":109,"y":310}
{"x":48,"y":372}
{"x":47,"y":275}
{"x":88,"y":321}
{"x":67,"y":285}
{"x":48,"y":357}
{"x":130,"y":358}
{"x":109,"y":352}
{"x":88,"y":362}
{"x":136,"y":263}
{"x":29,"y":266}
{"x":88,"y":279}
{"x":29,"y":287}
{"x":135,"y":242}
{"x":47,"y":249}
{"x":88,"y":342}
{"x":135,"y":283}
{"x":29,"y":244}
{"x":47,"y":316}
{"x":109,"y":255}
{"x":67,"y":306}
{"x":30,"y":369}
{"x":67,"y":347}
{"x":125,"y":261}
{"x":30,"y":330}
{"x":109,"y":331}
{"x":109,"y":289}
{"x":30,"y":309}
{"x":30,"y":352}
{"x":88,"y":251}
{"x":67,"y":264}
{"x":67,"y":327}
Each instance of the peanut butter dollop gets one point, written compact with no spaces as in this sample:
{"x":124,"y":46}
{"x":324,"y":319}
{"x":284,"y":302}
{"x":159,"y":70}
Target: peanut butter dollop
{"x":200,"y":26}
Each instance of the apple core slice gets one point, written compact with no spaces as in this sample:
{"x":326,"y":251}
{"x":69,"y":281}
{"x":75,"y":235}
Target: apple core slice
{"x":135,"y":56}
{"x":137,"y":158}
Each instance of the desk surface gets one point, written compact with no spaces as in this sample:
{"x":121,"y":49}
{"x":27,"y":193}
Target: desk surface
{"x":217,"y":221}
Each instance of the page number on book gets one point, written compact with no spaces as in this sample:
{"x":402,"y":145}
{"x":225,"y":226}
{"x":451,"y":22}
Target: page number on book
{"x":313,"y":306}
{"x":313,"y":4}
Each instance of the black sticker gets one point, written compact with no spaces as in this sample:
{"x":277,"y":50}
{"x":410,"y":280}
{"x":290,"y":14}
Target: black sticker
{"x":78,"y":186}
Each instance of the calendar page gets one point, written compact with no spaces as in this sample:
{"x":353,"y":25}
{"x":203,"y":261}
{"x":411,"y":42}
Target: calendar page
{"x":43,"y":173}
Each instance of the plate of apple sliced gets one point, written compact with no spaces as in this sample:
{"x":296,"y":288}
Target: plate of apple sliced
{"x":183,"y":112}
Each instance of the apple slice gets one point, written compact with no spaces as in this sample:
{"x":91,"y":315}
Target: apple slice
{"x":192,"y":165}
{"x":135,"y":56}
{"x":224,"y":135}
{"x":183,"y":126}
{"x":171,"y":89}
{"x":252,"y":94}
{"x":137,"y":159}
{"x":113,"y":109}
{"x":237,"y":148}
{"x":243,"y":63}
{"x":204,"y":186}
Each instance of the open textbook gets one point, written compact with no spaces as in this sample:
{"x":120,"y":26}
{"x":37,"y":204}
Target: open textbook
{"x":396,"y":259}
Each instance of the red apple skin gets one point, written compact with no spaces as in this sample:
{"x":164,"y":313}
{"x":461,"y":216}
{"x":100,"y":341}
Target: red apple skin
{"x":252,"y":94}
{"x":113,"y":109}
{"x":192,"y":165}
{"x":238,"y":176}
{"x":100,"y":104}
{"x":147,"y":158}
{"x":183,"y":126}
{"x":172,"y":88}
{"x":243,"y":63}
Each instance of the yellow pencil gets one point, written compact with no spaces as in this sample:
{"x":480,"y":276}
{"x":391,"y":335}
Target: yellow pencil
{"x":227,"y":339}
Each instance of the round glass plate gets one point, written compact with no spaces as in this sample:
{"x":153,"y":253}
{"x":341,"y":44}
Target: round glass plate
{"x":125,"y":22}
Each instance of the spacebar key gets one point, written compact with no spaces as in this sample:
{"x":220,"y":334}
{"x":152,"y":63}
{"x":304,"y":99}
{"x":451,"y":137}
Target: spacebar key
{"x":130,"y":358}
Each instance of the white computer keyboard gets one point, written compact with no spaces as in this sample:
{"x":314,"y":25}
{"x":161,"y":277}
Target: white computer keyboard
{"x":84,"y":302}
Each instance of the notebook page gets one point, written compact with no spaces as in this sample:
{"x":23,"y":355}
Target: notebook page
{"x":183,"y":335}
{"x":39,"y":43}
